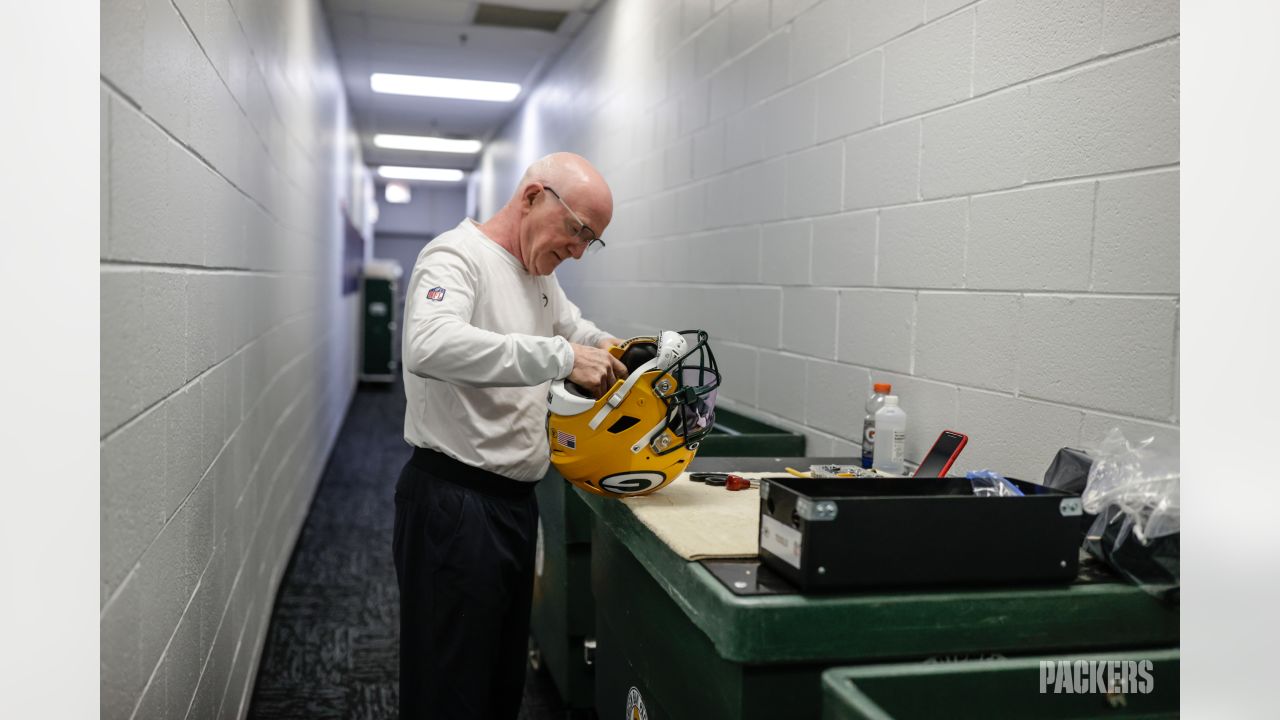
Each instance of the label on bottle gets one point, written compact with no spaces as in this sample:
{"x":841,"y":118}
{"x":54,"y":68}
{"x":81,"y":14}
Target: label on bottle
{"x":899,"y":446}
{"x":868,"y":440}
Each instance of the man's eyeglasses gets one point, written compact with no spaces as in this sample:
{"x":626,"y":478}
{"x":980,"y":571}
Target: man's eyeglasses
{"x":584,"y":234}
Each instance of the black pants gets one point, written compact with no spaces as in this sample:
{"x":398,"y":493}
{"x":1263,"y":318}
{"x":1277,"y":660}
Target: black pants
{"x":464,"y":546}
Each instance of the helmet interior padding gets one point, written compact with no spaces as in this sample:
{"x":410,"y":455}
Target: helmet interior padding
{"x":638,"y":354}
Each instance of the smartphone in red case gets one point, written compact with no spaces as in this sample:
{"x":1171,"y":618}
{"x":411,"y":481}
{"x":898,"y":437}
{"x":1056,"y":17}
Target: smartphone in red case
{"x":944,"y":452}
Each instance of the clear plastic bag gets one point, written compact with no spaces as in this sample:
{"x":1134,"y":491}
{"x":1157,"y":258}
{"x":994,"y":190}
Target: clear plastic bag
{"x":1142,"y":480}
{"x":989,"y":483}
{"x":1134,"y":489}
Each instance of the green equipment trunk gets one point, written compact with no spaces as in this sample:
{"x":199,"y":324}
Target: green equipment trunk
{"x":563,"y":616}
{"x":1009,"y":688}
{"x":670,"y":635}
{"x":377,"y":361}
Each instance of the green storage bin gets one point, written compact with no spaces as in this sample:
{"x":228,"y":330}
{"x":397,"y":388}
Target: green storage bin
{"x":737,"y":435}
{"x":377,"y":361}
{"x":1008,"y":688}
{"x":563,"y":615}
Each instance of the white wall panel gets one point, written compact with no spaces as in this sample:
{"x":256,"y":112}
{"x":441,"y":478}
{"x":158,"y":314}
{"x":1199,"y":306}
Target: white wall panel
{"x":1002,"y":245}
{"x":227,"y":356}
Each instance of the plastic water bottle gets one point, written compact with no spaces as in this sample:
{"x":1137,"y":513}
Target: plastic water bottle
{"x":874,"y":403}
{"x":891,"y":437}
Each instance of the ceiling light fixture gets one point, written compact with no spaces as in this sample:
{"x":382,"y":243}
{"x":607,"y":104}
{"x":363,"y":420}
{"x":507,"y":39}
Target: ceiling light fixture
{"x":456,"y":88}
{"x":397,"y":192}
{"x":397,"y":172}
{"x":426,"y":144}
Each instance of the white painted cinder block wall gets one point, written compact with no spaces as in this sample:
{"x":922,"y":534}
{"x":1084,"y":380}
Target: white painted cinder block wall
{"x":228,"y":351}
{"x":974,"y":201}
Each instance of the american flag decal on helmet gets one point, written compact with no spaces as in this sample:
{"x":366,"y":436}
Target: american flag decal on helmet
{"x":435,"y":293}
{"x":566,"y":440}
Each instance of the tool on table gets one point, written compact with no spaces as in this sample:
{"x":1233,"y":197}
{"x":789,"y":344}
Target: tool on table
{"x":714,"y":479}
{"x":730,"y":481}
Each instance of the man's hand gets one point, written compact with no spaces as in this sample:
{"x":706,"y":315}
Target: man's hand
{"x":609,"y":342}
{"x":595,"y":370}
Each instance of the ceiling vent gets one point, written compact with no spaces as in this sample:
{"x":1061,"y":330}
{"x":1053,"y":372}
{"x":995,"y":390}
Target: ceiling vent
{"x":521,"y":18}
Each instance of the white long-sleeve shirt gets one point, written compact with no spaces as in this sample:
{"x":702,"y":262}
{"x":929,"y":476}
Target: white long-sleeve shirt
{"x":483,"y":338}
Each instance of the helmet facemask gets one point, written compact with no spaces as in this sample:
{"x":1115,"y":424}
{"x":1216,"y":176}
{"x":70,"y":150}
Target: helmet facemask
{"x":691,"y":401}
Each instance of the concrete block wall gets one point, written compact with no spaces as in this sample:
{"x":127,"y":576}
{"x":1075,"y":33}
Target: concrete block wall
{"x":975,"y":201}
{"x":227,"y":350}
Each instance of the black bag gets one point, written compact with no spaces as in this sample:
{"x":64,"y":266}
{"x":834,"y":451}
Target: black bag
{"x":1069,"y":472}
{"x":1154,"y":566}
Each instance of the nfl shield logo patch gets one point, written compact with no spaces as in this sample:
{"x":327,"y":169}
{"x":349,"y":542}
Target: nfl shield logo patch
{"x":435,"y":293}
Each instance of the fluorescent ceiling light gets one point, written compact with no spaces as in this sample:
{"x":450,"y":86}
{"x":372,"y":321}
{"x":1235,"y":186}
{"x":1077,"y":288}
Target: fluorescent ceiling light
{"x":397,"y":192}
{"x":426,"y":144}
{"x":443,"y":87}
{"x":395,"y":172}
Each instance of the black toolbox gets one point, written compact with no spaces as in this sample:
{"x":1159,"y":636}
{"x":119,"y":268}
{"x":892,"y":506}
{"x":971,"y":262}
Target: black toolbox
{"x":844,"y":533}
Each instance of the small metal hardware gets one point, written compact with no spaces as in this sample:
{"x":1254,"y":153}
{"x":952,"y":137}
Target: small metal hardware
{"x":816,"y":511}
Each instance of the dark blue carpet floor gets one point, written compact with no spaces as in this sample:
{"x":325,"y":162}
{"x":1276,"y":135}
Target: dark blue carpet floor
{"x":332,"y":648}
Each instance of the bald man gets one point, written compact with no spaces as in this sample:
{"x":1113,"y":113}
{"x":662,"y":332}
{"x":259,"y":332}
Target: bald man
{"x":487,"y":328}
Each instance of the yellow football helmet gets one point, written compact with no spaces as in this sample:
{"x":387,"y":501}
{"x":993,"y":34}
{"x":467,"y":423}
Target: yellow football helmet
{"x":644,"y":432}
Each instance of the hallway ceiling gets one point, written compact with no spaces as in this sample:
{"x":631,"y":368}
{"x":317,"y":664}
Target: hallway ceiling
{"x":442,"y":38}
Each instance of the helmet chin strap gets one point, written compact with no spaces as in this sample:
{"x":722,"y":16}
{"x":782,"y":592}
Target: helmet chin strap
{"x":648,"y":437}
{"x":616,"y":399}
